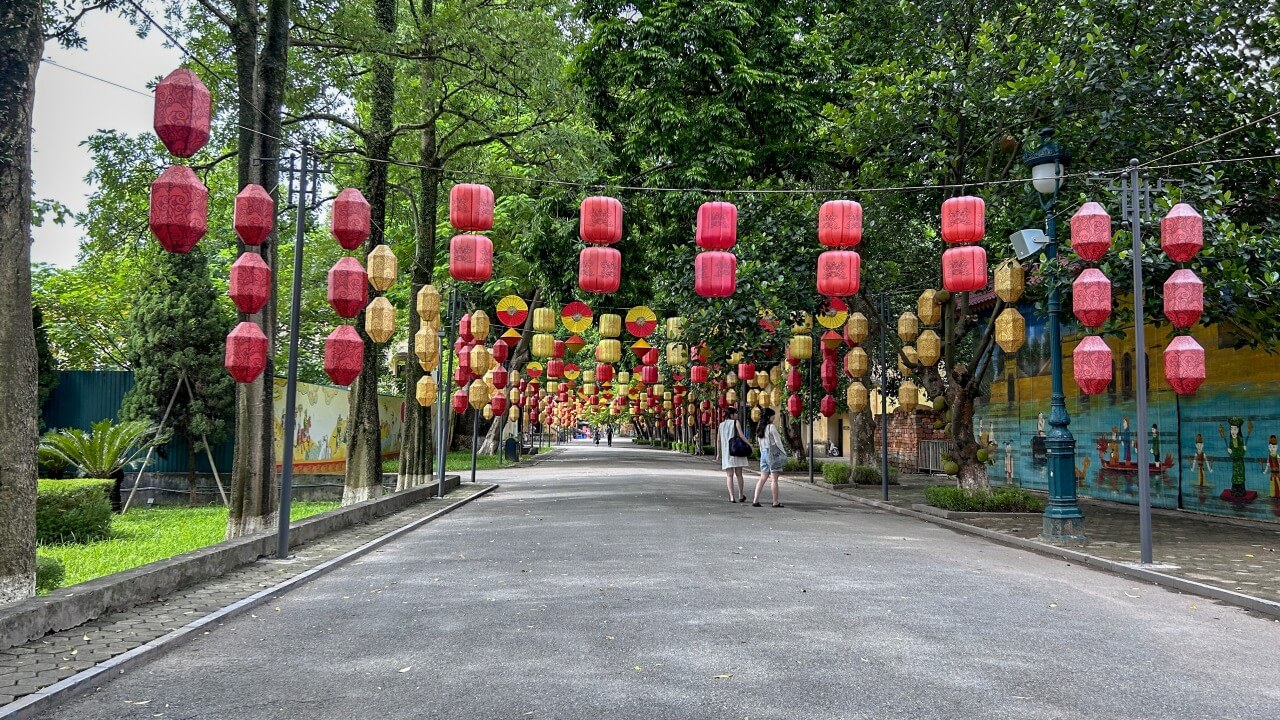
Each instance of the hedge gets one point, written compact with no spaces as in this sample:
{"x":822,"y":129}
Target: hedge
{"x":836,"y":473}
{"x":77,"y":511}
{"x":1003,"y":499}
{"x":49,"y":573}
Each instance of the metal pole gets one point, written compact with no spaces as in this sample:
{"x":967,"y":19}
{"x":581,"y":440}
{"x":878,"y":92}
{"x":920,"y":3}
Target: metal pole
{"x":809,"y":408}
{"x":1140,"y":359}
{"x":291,"y":379}
{"x":446,"y":415}
{"x":475,"y":436}
{"x":884,"y":405}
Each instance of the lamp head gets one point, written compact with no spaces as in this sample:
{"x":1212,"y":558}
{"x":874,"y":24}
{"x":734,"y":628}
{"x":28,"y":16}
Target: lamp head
{"x":1048,"y":164}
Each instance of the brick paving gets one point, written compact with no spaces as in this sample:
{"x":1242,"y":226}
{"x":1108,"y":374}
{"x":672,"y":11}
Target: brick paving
{"x":25,"y":669}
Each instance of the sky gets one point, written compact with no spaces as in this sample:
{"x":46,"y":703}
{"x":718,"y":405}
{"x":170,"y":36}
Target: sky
{"x":69,"y":108}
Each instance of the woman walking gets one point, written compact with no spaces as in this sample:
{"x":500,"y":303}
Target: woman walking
{"x":773,"y":455}
{"x":726,"y":433}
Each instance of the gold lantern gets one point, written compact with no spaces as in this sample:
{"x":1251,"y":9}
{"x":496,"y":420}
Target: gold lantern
{"x":480,"y":325}
{"x":544,"y":320}
{"x":856,"y":362}
{"x":659,"y":390}
{"x":675,"y":327}
{"x":908,"y":326}
{"x":544,"y":345}
{"x":426,"y":345}
{"x":610,"y":326}
{"x":775,"y":397}
{"x":800,"y":347}
{"x":429,"y":304}
{"x":856,"y":397}
{"x":478,"y":395}
{"x":589,"y":389}
{"x":928,"y":308}
{"x":382,"y":268}
{"x":1011,"y":331}
{"x":1011,"y":280}
{"x":911,"y":358}
{"x":666,"y":404}
{"x":775,"y":375}
{"x":762,"y":380}
{"x":513,"y":395}
{"x":481,"y":360}
{"x":755,"y":414}
{"x":380,"y":319}
{"x":609,"y":351}
{"x":803,"y":324}
{"x":753,"y":397}
{"x":487,"y":412}
{"x":588,"y":377}
{"x":857,"y":328}
{"x":666,"y":395}
{"x":425,"y":391}
{"x":731,"y":379}
{"x":677,"y":354}
{"x":731,"y":396}
{"x":624,"y":378}
{"x":513,"y":413}
{"x":908,"y":396}
{"x":928,"y":347}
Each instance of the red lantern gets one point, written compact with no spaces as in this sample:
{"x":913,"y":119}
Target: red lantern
{"x":1091,"y":232}
{"x":650,"y":356}
{"x":1184,"y":365}
{"x":828,"y":406}
{"x":460,"y":403}
{"x":1091,"y":297}
{"x":1092,"y":365}
{"x":246,"y":355}
{"x":649,"y":375}
{"x":555,"y":368}
{"x":348,"y":288}
{"x":830,"y":375}
{"x":501,"y":351}
{"x":964,"y":269}
{"x":179,"y":209}
{"x":461,"y":374}
{"x":250,"y":283}
{"x":255,"y":215}
{"x":1182,"y":233}
{"x":604,"y":372}
{"x":717,"y":225}
{"x":964,"y":220}
{"x":471,"y":207}
{"x":1183,"y":298}
{"x":600,"y":220}
{"x":500,"y":377}
{"x":795,"y":380}
{"x":715,"y":274}
{"x":698,"y":373}
{"x":343,"y":355}
{"x":747,"y":371}
{"x":498,"y":403}
{"x":349,"y":222}
{"x":838,"y":273}
{"x":470,"y":258}
{"x":840,"y":223}
{"x":599,"y":270}
{"x":182,"y":112}
{"x":795,"y":406}
{"x":557,"y":349}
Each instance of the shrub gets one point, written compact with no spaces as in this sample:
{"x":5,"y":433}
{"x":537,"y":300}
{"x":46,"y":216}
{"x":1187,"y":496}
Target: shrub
{"x":796,"y":464}
{"x":709,"y":449}
{"x":639,"y":441}
{"x":1004,"y":499}
{"x":76,"y":511}
{"x":869,"y":475}
{"x":836,"y":473}
{"x":49,"y":573}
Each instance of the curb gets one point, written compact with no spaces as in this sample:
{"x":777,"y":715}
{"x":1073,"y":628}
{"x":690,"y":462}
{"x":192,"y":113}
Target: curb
{"x":33,"y":705}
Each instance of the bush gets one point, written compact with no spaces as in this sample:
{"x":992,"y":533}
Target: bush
{"x":796,"y":464}
{"x":76,"y":511}
{"x":49,"y":573}
{"x":709,"y":449}
{"x":1005,"y":499}
{"x":639,"y":441}
{"x":836,"y":473}
{"x":869,"y":475}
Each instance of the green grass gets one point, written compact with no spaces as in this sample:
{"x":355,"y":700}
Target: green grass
{"x":458,"y":462}
{"x":144,"y":536}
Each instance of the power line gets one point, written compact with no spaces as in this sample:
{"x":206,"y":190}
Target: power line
{"x":1238,"y":128}
{"x":53,"y":63}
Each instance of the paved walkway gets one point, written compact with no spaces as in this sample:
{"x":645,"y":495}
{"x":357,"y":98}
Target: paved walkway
{"x":619,"y":583}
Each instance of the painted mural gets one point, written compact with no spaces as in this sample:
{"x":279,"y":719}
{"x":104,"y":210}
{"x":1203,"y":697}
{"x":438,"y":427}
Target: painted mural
{"x":1213,"y":452}
{"x":319,"y":436}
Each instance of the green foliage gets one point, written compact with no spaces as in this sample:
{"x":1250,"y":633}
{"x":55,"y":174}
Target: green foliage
{"x":74,"y":511}
{"x":46,"y":364}
{"x":49,"y":573}
{"x":836,"y":473}
{"x":104,"y":450}
{"x":868,"y":475}
{"x":1002,"y":499}
{"x":796,"y":464}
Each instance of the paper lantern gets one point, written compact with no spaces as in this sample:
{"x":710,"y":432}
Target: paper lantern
{"x":715,"y":274}
{"x":429,"y":304}
{"x":908,"y":327}
{"x":800,"y":347}
{"x":182,"y":112}
{"x":604,"y":372}
{"x":908,"y":395}
{"x":478,"y":395}
{"x":600,"y":220}
{"x":544,"y":320}
{"x":470,"y":258}
{"x":828,"y":406}
{"x":426,"y":345}
{"x":500,"y":351}
{"x":839,"y":273}
{"x":462,"y":373}
{"x":1091,"y":232}
{"x":856,"y":362}
{"x":857,"y":328}
{"x":480,"y":325}
{"x":609,"y":351}
{"x":698,"y":374}
{"x":348,"y":287}
{"x":479,"y":360}
{"x":543,"y":345}
{"x":677,"y":354}
{"x":1091,"y":297}
{"x":471,"y":207}
{"x":499,"y":378}
{"x":498,"y":403}
{"x":650,"y":356}
{"x":1182,"y":233}
{"x":254,"y":215}
{"x":840,"y":223}
{"x":350,"y":219}
{"x":762,"y":379}
{"x":753,"y":397}
{"x":856,"y":397}
{"x":1011,"y":331}
{"x":383,"y":267}
{"x":1092,"y":365}
{"x":246,"y":355}
{"x":795,"y":406}
{"x":459,"y":401}
{"x":1010,"y":280}
{"x":179,"y":209}
{"x":425,"y":391}
{"x":829,"y":375}
{"x":717,"y":226}
{"x":513,"y":414}
{"x":380,"y":320}
{"x":964,"y":220}
{"x":928,"y":348}
{"x":795,"y":380}
{"x":343,"y":355}
{"x":676,"y":327}
{"x":610,"y":325}
{"x":250,"y":283}
{"x":599,"y":270}
{"x":555,"y":368}
{"x":964,"y":269}
{"x":928,"y":309}
{"x":648,"y":374}
{"x":747,"y":372}
{"x":1183,"y":298}
{"x":1184,"y":365}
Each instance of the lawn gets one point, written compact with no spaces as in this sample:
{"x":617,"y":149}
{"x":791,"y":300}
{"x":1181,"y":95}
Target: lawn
{"x":458,"y":462}
{"x":147,"y":535}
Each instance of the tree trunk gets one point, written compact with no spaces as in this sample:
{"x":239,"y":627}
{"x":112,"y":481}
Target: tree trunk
{"x":519,"y":356}
{"x":117,"y":490}
{"x":863,"y":433}
{"x":21,"y":43}
{"x":191,"y":472}
{"x":964,"y":446}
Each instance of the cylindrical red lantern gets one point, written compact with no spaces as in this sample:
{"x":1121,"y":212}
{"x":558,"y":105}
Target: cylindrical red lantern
{"x":1091,"y":232}
{"x":599,"y":270}
{"x":828,"y":406}
{"x":830,"y":375}
{"x":795,"y":380}
{"x":461,"y":402}
{"x":964,"y":269}
{"x":461,"y":374}
{"x":1184,"y":365}
{"x":600,"y":220}
{"x":471,"y":207}
{"x":604,"y":372}
{"x":470,"y":258}
{"x":1092,"y":365}
{"x":650,"y":356}
{"x":840,"y":223}
{"x":179,"y":209}
{"x":343,"y":355}
{"x":348,"y":288}
{"x":964,"y":220}
{"x":715,"y":274}
{"x":250,"y":283}
{"x":498,"y":403}
{"x":558,"y":349}
{"x":254,"y":216}
{"x":246,"y":355}
{"x":746,"y":371}
{"x":1091,"y":297}
{"x":349,"y":222}
{"x":698,"y":373}
{"x":717,"y":225}
{"x":555,"y":368}
{"x":649,"y":375}
{"x":1182,"y":233}
{"x":839,"y":273}
{"x":182,"y":113}
{"x":795,"y":406}
{"x":1183,"y":298}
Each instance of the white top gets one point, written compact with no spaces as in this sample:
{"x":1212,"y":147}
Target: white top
{"x":773,"y":440}
{"x":728,"y":429}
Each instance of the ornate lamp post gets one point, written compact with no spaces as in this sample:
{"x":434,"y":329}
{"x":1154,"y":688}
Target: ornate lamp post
{"x":1063,"y":521}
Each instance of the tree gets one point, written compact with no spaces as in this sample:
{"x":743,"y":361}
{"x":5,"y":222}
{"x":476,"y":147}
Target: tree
{"x":105,"y":451}
{"x":47,"y":364}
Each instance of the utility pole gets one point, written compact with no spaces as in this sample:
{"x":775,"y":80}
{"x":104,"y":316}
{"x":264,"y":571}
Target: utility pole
{"x":1135,"y":202}
{"x":884,"y":401}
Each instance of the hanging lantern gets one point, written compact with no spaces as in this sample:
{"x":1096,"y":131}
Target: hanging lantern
{"x":747,"y":372}
{"x":838,"y":273}
{"x":1182,"y":233}
{"x":840,"y":223}
{"x":254,"y":215}
{"x":348,"y":287}
{"x":857,"y":329}
{"x":856,"y":397}
{"x":650,"y":356}
{"x":343,"y":355}
{"x":648,"y":374}
{"x":698,"y":374}
{"x":480,"y":361}
{"x":480,"y":325}
{"x":513,"y":414}
{"x":1091,"y":297}
{"x":908,"y":396}
{"x":478,"y":395}
{"x":599,"y":270}
{"x":462,"y":373}
{"x":429,"y":304}
{"x":555,"y":368}
{"x":179,"y":209}
{"x":795,"y":406}
{"x":182,"y":112}
{"x":600,"y":220}
{"x":499,"y":404}
{"x":459,"y":402}
{"x":1092,"y":365}
{"x":856,"y":362}
{"x":574,"y":344}
{"x":762,"y":380}
{"x":350,"y":219}
{"x":499,"y":378}
{"x":908,"y":327}
{"x":715,"y":274}
{"x":471,"y":207}
{"x":964,"y":220}
{"x":800,"y":347}
{"x":383,"y":267}
{"x":425,"y":391}
{"x":677,"y":354}
{"x":1183,"y":298}
{"x":828,"y":406}
{"x":928,"y":309}
{"x":829,"y":375}
{"x":928,"y":348}
{"x":795,"y":380}
{"x":609,"y":351}
{"x":1011,"y":331}
{"x":964,"y":269}
{"x":624,"y":378}
{"x":753,"y":397}
{"x":1010,"y":280}
{"x":543,"y":345}
{"x":717,"y":226}
{"x":246,"y":355}
{"x":250,"y":283}
{"x":380,"y":320}
{"x":470,"y":258}
{"x":426,"y":345}
{"x":500,"y":351}
{"x":1184,"y":365}
{"x":1091,"y":232}
{"x":610,"y":325}
{"x":544,"y":320}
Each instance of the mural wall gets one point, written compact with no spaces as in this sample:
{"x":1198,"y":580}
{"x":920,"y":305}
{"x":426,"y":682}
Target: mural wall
{"x":321,"y":424}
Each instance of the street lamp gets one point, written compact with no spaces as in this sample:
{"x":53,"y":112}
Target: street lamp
{"x":1063,"y":521}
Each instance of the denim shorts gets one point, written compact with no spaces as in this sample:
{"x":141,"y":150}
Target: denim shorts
{"x":771,"y":461}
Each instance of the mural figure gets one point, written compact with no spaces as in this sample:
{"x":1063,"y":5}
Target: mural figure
{"x":1271,"y":466}
{"x":1114,"y":445}
{"x":1126,"y":437}
{"x":1040,"y":425}
{"x":1008,"y":462}
{"x":1155,"y":443}
{"x":1237,"y":447}
{"x":1200,"y":463}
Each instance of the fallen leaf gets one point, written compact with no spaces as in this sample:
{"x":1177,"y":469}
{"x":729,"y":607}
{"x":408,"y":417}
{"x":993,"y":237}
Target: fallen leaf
{"x":726,"y":676}
{"x":1128,"y":594}
{"x":1194,"y":607}
{"x":1248,"y":554}
{"x":406,"y":669}
{"x":1053,"y":605}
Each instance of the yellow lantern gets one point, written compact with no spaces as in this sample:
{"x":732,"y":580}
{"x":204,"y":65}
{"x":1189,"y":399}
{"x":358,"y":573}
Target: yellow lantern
{"x":610,"y":325}
{"x":908,"y":396}
{"x":775,"y":397}
{"x":929,"y":347}
{"x":731,"y":396}
{"x":544,"y":320}
{"x":908,"y":326}
{"x":905,"y":367}
{"x":425,"y":391}
{"x":800,"y":347}
{"x":609,"y":351}
{"x":753,"y":396}
{"x":803,"y":324}
{"x":775,"y":375}
{"x":513,"y":395}
{"x":544,"y":345}
{"x":755,"y":414}
{"x":513,"y":413}
{"x":382,"y":267}
{"x":857,"y":328}
{"x":380,"y":319}
{"x":478,"y":395}
{"x":480,"y":325}
{"x":481,"y":360}
{"x":666,"y":404}
{"x":928,"y":308}
{"x":429,"y":303}
{"x":487,"y":412}
{"x":675,"y":327}
{"x":426,"y":345}
{"x":589,"y":389}
{"x":624,"y":378}
{"x":855,"y":396}
{"x":588,"y":377}
{"x":762,"y":380}
{"x":1011,"y":331}
{"x":1010,"y":280}
{"x":856,"y":362}
{"x":731,"y":379}
{"x":659,"y":390}
{"x":677,"y":354}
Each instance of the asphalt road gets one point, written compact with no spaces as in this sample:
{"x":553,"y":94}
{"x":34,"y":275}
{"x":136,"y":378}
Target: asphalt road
{"x":619,"y":583}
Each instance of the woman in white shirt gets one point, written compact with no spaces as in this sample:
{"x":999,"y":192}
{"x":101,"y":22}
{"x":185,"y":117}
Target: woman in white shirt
{"x":773,"y":455}
{"x":731,"y":464}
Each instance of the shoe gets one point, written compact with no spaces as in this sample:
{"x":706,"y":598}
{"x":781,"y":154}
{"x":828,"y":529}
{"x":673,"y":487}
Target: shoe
{"x":732,"y":500}
{"x":742,"y":499}
{"x":778,"y":505}
{"x":755,"y":504}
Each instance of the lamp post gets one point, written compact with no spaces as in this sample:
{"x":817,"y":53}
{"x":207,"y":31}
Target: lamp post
{"x":1063,"y":521}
